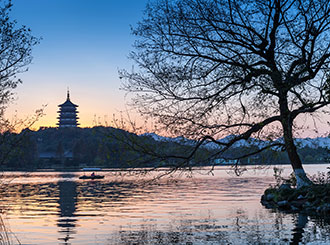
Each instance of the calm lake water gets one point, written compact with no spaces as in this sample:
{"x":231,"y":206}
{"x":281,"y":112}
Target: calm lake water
{"x":58,"y":208}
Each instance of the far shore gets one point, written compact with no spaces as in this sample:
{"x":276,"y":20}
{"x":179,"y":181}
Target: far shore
{"x":80,"y":169}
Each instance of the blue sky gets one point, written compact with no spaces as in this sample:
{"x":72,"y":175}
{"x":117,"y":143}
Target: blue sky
{"x":83,"y":45}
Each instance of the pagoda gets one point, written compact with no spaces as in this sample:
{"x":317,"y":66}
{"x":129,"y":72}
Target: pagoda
{"x":68,"y":114}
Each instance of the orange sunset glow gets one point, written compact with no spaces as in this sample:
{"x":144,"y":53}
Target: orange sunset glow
{"x":162,"y":122}
{"x":84,"y":55}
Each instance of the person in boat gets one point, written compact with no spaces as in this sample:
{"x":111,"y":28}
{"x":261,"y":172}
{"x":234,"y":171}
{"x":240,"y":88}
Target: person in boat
{"x":93,"y":175}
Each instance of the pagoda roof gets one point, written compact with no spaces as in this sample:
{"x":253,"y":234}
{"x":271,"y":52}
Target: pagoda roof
{"x":68,"y":102}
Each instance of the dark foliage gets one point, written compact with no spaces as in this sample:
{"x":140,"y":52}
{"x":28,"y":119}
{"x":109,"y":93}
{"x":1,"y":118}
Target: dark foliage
{"x":107,"y":147}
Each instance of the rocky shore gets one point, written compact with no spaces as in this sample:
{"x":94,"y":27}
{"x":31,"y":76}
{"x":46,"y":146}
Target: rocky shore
{"x":312,"y":200}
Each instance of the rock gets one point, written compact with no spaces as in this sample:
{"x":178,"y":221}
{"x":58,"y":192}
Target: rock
{"x":285,"y":187}
{"x":311,"y":200}
{"x":316,"y":203}
{"x":263,"y":200}
{"x":300,"y":197}
{"x":306,"y":204}
{"x":326,"y":199}
{"x":270,"y":197}
{"x":310,"y":196}
{"x":283,"y":203}
{"x":270,"y":205}
{"x":310,"y":209}
{"x":325,"y":208}
{"x":298,"y":204}
{"x":294,"y":208}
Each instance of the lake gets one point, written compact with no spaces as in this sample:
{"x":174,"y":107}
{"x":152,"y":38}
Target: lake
{"x":59,"y":208}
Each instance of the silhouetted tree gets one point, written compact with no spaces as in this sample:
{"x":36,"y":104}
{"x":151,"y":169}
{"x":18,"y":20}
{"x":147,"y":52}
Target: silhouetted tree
{"x":19,"y":150}
{"x":209,"y":68}
{"x":78,"y":151}
{"x":60,"y":152}
{"x":15,"y":55}
{"x":102,"y":154}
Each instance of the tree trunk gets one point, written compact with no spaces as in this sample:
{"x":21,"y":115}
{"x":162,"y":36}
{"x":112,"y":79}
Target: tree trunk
{"x":301,"y":177}
{"x":287,"y":124}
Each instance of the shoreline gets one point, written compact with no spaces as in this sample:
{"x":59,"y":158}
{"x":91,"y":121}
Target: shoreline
{"x":139,"y":169}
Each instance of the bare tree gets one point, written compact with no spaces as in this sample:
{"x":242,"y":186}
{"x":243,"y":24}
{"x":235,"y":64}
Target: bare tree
{"x":209,"y":68}
{"x":15,"y":55}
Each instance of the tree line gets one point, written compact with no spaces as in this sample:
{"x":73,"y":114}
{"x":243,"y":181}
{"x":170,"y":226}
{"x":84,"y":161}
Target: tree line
{"x":107,"y":147}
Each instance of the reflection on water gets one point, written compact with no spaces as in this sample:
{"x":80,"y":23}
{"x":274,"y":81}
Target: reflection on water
{"x":300,"y":224}
{"x":242,"y":230}
{"x":48,"y":208}
{"x":67,"y":205}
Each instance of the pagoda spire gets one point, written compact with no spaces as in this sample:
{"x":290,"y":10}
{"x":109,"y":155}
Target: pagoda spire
{"x":68,"y":94}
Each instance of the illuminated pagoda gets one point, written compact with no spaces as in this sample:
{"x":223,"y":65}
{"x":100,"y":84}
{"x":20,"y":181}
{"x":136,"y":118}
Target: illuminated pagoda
{"x":68,"y":114}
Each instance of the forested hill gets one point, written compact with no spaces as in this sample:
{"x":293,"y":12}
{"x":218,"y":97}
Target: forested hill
{"x":97,"y":146}
{"x":115,"y":148}
{"x":65,"y":146}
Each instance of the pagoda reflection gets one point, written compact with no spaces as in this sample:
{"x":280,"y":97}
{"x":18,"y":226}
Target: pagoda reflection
{"x":67,"y":205}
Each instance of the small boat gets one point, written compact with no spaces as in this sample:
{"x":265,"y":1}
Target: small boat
{"x":92,"y":176}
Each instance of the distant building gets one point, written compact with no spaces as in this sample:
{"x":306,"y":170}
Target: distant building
{"x":222,"y":161}
{"x":67,"y":114}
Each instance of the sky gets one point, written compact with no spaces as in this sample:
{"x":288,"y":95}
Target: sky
{"x":84,"y":44}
